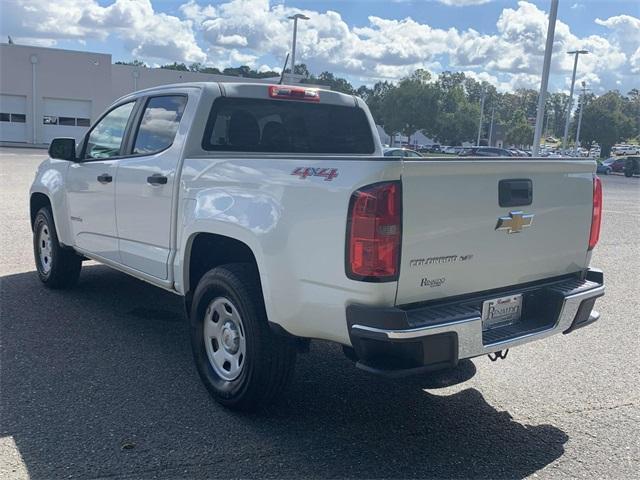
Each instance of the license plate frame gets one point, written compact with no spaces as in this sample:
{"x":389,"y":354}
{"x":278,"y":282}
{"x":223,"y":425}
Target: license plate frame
{"x":501,"y":311}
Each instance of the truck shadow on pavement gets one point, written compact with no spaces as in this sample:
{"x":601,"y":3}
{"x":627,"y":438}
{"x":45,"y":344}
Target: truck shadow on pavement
{"x":99,"y":382}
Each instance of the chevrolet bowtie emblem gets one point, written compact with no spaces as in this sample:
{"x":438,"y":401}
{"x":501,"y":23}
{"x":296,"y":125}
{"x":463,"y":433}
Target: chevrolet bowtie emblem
{"x":515,"y":222}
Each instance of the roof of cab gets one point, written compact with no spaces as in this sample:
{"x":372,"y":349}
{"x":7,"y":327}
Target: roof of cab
{"x":245,"y":89}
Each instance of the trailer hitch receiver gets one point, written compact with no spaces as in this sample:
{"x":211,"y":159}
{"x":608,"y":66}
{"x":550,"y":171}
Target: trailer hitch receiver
{"x":499,"y":355}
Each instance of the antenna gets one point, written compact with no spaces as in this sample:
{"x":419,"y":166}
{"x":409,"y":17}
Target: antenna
{"x":286,"y":60}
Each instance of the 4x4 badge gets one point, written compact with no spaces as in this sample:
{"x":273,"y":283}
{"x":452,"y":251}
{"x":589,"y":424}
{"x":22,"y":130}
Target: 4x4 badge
{"x":515,"y":222}
{"x":327,"y":173}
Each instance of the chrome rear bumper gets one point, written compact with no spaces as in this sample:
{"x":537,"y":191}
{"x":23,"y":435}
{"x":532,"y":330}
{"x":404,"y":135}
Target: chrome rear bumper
{"x":438,"y":335}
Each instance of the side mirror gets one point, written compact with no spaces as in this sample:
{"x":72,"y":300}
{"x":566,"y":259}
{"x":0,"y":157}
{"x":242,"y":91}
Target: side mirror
{"x":63,"y":149}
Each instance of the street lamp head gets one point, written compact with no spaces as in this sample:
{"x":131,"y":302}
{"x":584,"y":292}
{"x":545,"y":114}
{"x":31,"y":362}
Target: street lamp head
{"x":298,"y":16}
{"x":573,"y":52}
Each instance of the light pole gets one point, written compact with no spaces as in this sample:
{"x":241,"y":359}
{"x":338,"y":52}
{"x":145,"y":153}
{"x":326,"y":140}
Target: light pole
{"x":582,"y":99}
{"x":491,"y":125}
{"x":34,"y":60}
{"x":295,"y":18}
{"x":481,"y":113}
{"x":576,"y":54}
{"x":546,"y":66}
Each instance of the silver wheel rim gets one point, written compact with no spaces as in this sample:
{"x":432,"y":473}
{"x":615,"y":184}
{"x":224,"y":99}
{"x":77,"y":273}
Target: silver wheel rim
{"x":44,"y":248}
{"x":224,"y":338}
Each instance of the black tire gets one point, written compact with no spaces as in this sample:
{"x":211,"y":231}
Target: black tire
{"x":628,"y":173}
{"x":61,"y":268}
{"x":270,"y":358}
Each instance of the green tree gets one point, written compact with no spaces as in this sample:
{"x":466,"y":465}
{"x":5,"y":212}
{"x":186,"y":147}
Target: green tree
{"x":605,"y":120}
{"x":301,"y":69}
{"x":520,"y":133}
{"x":411,"y":106}
{"x":459,"y":99}
{"x":175,"y":66}
{"x":374,"y":97}
{"x":212,"y":70}
{"x":556,"y":105}
{"x":448,"y":81}
{"x":631,"y":109}
{"x":335,"y":83}
{"x":454,"y":128}
{"x":134,"y":63}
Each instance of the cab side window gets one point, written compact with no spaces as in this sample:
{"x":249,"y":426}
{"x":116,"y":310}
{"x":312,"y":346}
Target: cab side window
{"x":105,"y":139}
{"x":159,"y":124}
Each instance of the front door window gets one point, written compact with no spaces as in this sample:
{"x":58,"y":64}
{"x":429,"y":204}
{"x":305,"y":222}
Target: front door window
{"x":105,"y":139}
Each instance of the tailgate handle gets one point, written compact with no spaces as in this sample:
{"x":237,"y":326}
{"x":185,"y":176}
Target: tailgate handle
{"x":516,"y":192}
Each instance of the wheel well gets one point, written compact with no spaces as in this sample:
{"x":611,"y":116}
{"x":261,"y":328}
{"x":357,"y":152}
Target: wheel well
{"x":209,"y":250}
{"x":36,"y":202}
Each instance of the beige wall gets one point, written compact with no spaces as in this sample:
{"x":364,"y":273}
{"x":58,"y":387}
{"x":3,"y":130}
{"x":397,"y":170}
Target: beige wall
{"x":60,"y":74}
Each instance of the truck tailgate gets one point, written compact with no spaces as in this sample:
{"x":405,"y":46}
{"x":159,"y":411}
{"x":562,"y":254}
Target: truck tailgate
{"x":451,"y":243}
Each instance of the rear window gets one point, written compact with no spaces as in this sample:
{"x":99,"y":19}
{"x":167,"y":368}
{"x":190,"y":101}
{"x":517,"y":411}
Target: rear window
{"x":281,"y":126}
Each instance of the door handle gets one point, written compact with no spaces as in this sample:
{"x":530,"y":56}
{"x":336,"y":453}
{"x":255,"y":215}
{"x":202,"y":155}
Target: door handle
{"x":157,"y":179}
{"x":105,"y":178}
{"x":515,"y":193}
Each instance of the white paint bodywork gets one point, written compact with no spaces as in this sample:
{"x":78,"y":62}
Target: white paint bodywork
{"x":296,"y":227}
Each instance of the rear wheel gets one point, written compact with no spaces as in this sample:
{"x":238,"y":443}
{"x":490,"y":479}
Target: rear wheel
{"x":57,"y":267}
{"x":241,"y":361}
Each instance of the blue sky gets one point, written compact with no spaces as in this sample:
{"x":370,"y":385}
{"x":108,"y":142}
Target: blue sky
{"x":364,"y":40}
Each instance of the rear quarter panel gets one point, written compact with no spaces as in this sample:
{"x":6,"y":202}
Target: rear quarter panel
{"x":294,"y":224}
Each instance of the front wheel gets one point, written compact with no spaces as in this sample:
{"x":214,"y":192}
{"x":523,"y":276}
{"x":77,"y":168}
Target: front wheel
{"x":57,"y":267}
{"x":241,"y":361}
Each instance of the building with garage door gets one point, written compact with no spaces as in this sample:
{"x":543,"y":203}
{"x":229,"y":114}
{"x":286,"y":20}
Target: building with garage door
{"x":47,"y":92}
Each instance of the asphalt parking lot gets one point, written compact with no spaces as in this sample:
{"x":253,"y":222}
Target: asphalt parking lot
{"x":99,"y":382}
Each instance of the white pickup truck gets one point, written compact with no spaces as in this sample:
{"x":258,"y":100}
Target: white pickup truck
{"x":272,"y":210}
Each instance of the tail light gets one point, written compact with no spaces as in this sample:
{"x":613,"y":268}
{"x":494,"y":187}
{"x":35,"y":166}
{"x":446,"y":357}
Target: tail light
{"x":374,"y":233}
{"x":596,"y":217}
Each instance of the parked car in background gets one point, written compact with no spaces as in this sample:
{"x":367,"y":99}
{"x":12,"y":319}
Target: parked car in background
{"x":435,"y":148}
{"x":626,"y":150}
{"x":615,"y":163}
{"x":518,"y":153}
{"x":455,"y":150}
{"x":603,"y":168}
{"x":486,"y":152}
{"x":400,"y":152}
{"x":632,"y":166}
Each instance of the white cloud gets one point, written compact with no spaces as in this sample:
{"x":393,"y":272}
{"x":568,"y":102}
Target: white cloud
{"x":145,"y":32}
{"x":635,"y":61}
{"x":625,"y":31}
